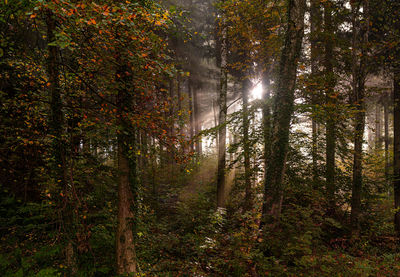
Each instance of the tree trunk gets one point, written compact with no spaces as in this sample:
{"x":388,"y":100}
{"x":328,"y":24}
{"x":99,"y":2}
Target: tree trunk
{"x":191,"y":115}
{"x":283,"y":109}
{"x":58,"y":168}
{"x":386,"y":119}
{"x":378,"y":127}
{"x":248,"y":201}
{"x":330,"y":108}
{"x":197,"y":125}
{"x":127,"y":183}
{"x":370,"y":133}
{"x":396,"y":153}
{"x":215,"y":114}
{"x":223,"y":89}
{"x":359,"y":76}
{"x":266,"y":113}
{"x":126,"y":256}
{"x":316,"y":19}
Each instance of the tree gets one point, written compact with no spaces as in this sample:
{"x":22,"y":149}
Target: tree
{"x":396,"y":154}
{"x":359,"y":73}
{"x":223,"y":90}
{"x":246,"y":85}
{"x":330,"y":96}
{"x":315,"y":28}
{"x":283,"y":109}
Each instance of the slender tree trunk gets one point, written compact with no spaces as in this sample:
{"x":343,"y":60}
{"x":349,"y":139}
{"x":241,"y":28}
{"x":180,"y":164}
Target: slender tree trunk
{"x":283,"y":109}
{"x":316,"y":20}
{"x":267,"y":128}
{"x":59,"y":169}
{"x":246,"y":85}
{"x":197,"y":122}
{"x":359,"y":75}
{"x":172,"y":94}
{"x":330,"y":108}
{"x":396,"y":153}
{"x":215,"y":113}
{"x":191,"y":115}
{"x":378,"y":126}
{"x":386,"y":119}
{"x":179,"y":96}
{"x":57,"y":118}
{"x":223,"y":89}
{"x":370,"y":134}
{"x":266,"y":112}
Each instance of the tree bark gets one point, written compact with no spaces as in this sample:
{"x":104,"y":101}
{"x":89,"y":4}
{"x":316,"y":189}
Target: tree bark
{"x":386,"y":119}
{"x":127,"y":181}
{"x":267,"y":128}
{"x":59,"y":168}
{"x":315,"y":20}
{"x":215,"y":114}
{"x":396,"y":152}
{"x":191,"y":115}
{"x":330,"y":108}
{"x":283,"y":109}
{"x":126,"y":256}
{"x":266,"y":112}
{"x":378,"y":126}
{"x":359,"y":76}
{"x":223,"y":89}
{"x":246,"y":85}
{"x":197,"y":125}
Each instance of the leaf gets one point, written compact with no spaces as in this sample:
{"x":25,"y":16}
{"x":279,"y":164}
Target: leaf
{"x":92,"y":21}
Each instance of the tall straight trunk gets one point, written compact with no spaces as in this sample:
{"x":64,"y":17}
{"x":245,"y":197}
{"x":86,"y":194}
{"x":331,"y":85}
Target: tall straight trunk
{"x":230,"y":140}
{"x":266,"y":113}
{"x":197,"y":123}
{"x":126,"y":255}
{"x":179,"y":96}
{"x":191,"y":115}
{"x":56,"y":119}
{"x":386,"y":119}
{"x":267,"y":128}
{"x":172,"y":111}
{"x":396,"y":152}
{"x":248,"y":201}
{"x":144,"y":150}
{"x":378,"y":126}
{"x":215,"y":113}
{"x":58,"y":168}
{"x":370,"y":133}
{"x":315,"y":20}
{"x":127,"y":182}
{"x":223,"y":90}
{"x":283,"y":110}
{"x":330,"y":107}
{"x":359,"y":75}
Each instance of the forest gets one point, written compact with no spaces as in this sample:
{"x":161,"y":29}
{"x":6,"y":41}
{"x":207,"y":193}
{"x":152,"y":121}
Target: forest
{"x":200,"y":138}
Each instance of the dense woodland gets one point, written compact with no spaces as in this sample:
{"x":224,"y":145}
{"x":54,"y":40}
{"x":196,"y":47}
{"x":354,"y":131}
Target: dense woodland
{"x":200,"y":138}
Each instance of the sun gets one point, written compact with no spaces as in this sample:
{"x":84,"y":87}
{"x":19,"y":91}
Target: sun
{"x":257,"y":91}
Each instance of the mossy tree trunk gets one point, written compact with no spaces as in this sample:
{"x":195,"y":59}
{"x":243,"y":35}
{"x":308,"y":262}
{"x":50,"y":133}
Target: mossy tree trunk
{"x":283,"y":110}
{"x":127,"y":180}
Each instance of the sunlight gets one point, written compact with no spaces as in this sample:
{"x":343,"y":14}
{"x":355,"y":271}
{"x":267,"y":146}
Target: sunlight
{"x":257,"y":91}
